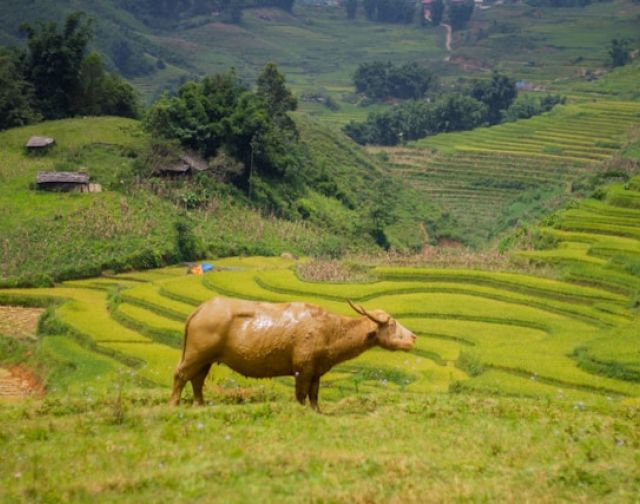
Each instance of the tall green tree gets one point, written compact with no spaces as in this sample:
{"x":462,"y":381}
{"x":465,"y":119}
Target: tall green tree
{"x":619,"y":53}
{"x":497,"y":94}
{"x":279,"y":99}
{"x":17,"y":106}
{"x":379,"y":80}
{"x":53,"y":62}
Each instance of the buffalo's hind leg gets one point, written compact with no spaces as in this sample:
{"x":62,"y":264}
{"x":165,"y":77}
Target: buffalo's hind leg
{"x":185,"y":372}
{"x":314,"y":389}
{"x":197,"y":382}
{"x":179,"y":381}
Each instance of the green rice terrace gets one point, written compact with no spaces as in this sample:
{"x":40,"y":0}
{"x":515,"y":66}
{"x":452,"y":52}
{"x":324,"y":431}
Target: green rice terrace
{"x":489,"y":331}
{"x":491,"y":178}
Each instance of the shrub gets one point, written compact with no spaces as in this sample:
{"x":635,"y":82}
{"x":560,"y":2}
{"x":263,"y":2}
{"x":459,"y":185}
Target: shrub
{"x":470,"y":364}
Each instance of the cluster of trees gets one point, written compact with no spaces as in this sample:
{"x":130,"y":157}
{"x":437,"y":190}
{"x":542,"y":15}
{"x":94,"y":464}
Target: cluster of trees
{"x":54,"y":77}
{"x":219,"y":115}
{"x":482,"y":102}
{"x":379,"y":80}
{"x":528,"y":106}
{"x":417,"y":119}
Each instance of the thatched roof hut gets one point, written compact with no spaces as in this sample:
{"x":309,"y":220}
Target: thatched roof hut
{"x":38,"y":142}
{"x":66,"y":181}
{"x":186,"y":164}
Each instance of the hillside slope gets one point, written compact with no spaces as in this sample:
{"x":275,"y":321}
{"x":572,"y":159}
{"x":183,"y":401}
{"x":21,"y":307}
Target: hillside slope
{"x":493,"y":178}
{"x":319,"y":49}
{"x":132,"y":223}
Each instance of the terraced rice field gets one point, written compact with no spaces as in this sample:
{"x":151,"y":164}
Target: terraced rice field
{"x":487,"y":332}
{"x":486,"y":174}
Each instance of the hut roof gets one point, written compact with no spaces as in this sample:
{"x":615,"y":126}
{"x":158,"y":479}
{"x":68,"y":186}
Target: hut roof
{"x":194,"y":161}
{"x":62,"y":178}
{"x":178,"y":167}
{"x":186,"y":162}
{"x":38,"y":141}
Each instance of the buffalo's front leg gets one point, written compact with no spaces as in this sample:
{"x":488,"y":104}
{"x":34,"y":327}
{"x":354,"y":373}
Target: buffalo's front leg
{"x":314,"y":389}
{"x":302,"y":386}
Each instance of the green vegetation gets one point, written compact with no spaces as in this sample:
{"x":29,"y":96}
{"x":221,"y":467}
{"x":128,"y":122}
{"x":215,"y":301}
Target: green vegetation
{"x":484,"y":102}
{"x":257,"y":444}
{"x":379,"y":80}
{"x":54,"y":78}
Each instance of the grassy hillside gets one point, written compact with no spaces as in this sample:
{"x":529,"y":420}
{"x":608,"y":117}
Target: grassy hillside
{"x":319,"y":49}
{"x":132,"y":223}
{"x":545,"y":45}
{"x":60,"y":235}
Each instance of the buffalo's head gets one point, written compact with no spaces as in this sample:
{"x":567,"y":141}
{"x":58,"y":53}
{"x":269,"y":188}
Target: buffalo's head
{"x":390,"y":334}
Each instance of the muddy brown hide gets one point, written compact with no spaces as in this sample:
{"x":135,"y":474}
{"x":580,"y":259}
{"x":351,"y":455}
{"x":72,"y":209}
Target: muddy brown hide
{"x":262,"y":340}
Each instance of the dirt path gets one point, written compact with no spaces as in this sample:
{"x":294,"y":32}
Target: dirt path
{"x":447,"y":40}
{"x":17,"y":381}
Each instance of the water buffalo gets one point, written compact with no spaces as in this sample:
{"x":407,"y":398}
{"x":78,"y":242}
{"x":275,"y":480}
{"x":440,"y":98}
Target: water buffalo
{"x":261,"y":340}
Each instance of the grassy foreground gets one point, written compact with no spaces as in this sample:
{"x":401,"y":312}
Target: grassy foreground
{"x":374,"y":448}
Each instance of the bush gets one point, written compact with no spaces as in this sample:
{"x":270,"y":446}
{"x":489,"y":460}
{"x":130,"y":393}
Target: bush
{"x":470,"y":364}
{"x":186,"y":242}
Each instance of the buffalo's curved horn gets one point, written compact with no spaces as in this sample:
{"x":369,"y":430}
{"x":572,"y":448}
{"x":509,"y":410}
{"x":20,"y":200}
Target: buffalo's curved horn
{"x":359,"y":309}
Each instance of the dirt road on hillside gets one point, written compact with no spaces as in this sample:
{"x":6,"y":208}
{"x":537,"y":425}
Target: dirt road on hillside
{"x":447,"y":40}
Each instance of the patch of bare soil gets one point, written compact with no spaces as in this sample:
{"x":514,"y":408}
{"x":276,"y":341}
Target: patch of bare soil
{"x":469,"y":64}
{"x":19,"y":382}
{"x":449,"y":243}
{"x":19,"y":322}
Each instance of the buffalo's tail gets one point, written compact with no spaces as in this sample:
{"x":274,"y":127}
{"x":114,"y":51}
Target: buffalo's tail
{"x":186,"y":331}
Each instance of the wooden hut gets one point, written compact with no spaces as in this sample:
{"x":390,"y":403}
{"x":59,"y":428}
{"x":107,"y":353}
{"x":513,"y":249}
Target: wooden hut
{"x":66,"y":182}
{"x":186,"y":164}
{"x":38,"y":143}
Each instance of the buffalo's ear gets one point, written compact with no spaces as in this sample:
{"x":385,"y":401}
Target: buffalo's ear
{"x":371,"y":336}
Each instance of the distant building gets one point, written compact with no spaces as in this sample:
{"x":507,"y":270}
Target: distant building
{"x":186,"y":164}
{"x":39,"y":143}
{"x":66,"y":182}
